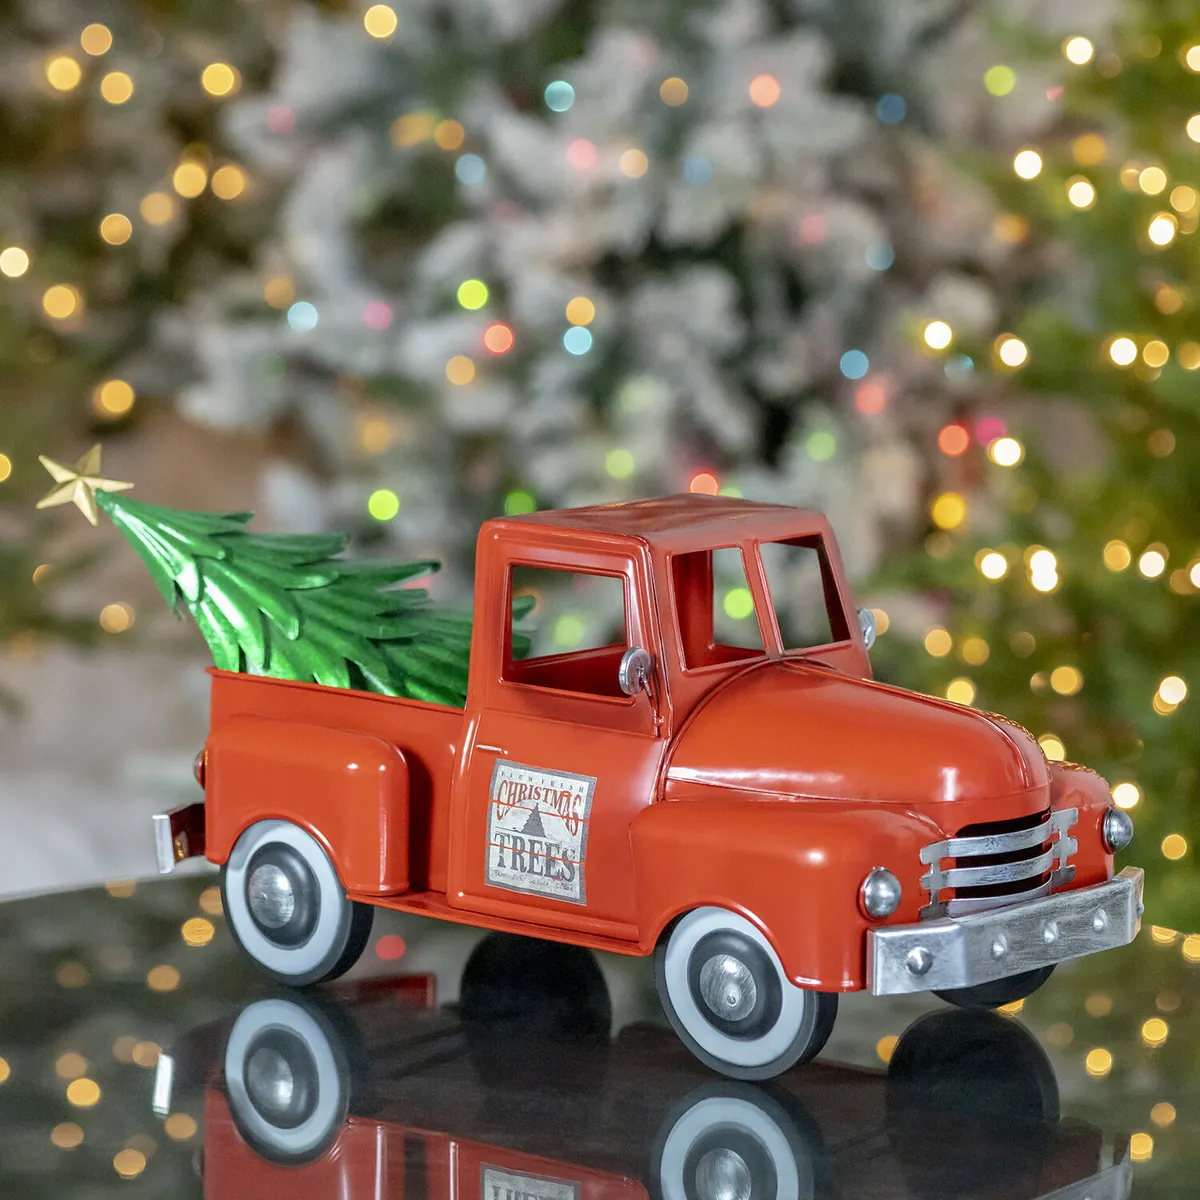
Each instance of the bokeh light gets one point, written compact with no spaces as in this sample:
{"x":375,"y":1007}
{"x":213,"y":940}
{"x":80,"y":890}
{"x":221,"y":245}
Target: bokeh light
{"x":1027,"y":164}
{"x":764,"y":91}
{"x":380,"y":21}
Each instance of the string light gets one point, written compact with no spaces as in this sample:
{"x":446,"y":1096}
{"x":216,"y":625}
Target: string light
{"x":1043,"y":570}
{"x":619,"y":464}
{"x":128,"y":1163}
{"x":1078,"y":50}
{"x":1052,"y":747}
{"x":938,"y":335}
{"x":1152,"y":563}
{"x":559,"y":96}
{"x":1190,"y":55}
{"x":1155,"y":353}
{"x":83,"y":1093}
{"x":1117,"y":555}
{"x":704,"y":483}
{"x":1172,"y":690}
{"x":1184,"y":198}
{"x":949,"y":510}
{"x":279,"y":291}
{"x":380,"y":21}
{"x":498,"y":338}
{"x":953,"y":440}
{"x":1189,"y":356}
{"x":95,"y":40}
{"x":577,"y":340}
{"x":1027,"y":164}
{"x":518,"y":502}
{"x":1098,"y":1062}
{"x":673,"y":91}
{"x":116,"y":87}
{"x":1162,"y":229}
{"x":1126,"y":795}
{"x":189,"y":179}
{"x":116,"y":229}
{"x":1005,"y":451}
{"x":113,"y":398}
{"x":1089,"y":149}
{"x":1098,"y":1004}
{"x":886,"y":1047}
{"x":1167,"y":299}
{"x":975,"y":651}
{"x":460,"y":370}
{"x":1066,"y":681}
{"x":303,"y":316}
{"x":1011,"y":351}
{"x":1152,"y":180}
{"x":1193,"y":127}
{"x":472,"y":294}
{"x":220,"y":79}
{"x":993,"y":565}
{"x":960,"y":691}
{"x":117,"y":618}
{"x":411,"y":129}
{"x":764,"y":91}
{"x":633,"y":164}
{"x":63,"y":73}
{"x":14,"y":262}
{"x":1080,"y":192}
{"x":66,"y":1136}
{"x":197,"y":931}
{"x":1163,"y":1113}
{"x":61,"y":301}
{"x":1123,"y":351}
{"x":938,"y":642}
{"x":1191,"y":948}
{"x":1174,"y":847}
{"x":580,"y":310}
{"x":1141,"y":1147}
{"x":999,"y":80}
{"x":228,"y":182}
{"x":582,"y":154}
{"x":448,"y":135}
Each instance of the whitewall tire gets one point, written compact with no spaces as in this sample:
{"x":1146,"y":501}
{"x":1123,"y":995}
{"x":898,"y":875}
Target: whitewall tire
{"x":287,"y":1080}
{"x":287,"y":908}
{"x":725,"y":992}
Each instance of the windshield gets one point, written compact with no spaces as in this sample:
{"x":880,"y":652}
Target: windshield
{"x":803,"y":593}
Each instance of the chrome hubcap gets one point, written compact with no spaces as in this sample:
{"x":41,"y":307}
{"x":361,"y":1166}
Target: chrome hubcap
{"x":270,"y":1081}
{"x":728,"y":988}
{"x":722,"y":1174}
{"x":271,"y":897}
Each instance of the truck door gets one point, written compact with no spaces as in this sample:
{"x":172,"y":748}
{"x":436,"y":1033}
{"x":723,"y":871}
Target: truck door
{"x":559,"y":760}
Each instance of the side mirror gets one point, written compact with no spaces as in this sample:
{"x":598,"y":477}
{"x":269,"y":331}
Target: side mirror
{"x":866,"y":618}
{"x":633,"y":674}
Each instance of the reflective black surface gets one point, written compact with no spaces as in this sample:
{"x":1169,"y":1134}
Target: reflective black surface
{"x":453,"y":1066}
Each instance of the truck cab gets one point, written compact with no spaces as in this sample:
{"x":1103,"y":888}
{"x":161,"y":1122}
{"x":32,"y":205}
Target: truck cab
{"x":691,"y":760}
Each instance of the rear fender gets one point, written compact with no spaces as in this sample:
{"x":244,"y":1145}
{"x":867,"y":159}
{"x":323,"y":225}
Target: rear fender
{"x":794,"y":868}
{"x":349,"y":790}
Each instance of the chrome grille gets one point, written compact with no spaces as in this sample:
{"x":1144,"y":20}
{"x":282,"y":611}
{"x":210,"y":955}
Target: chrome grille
{"x":1001,"y":862}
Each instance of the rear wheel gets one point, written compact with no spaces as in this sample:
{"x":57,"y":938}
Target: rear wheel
{"x":287,"y":908}
{"x":999,"y":992}
{"x":725,"y":992}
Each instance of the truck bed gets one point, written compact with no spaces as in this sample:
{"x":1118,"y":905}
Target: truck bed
{"x":428,"y":735}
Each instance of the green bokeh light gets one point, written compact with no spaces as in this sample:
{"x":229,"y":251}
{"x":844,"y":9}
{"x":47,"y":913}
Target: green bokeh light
{"x":1000,"y":80}
{"x":738,"y":603}
{"x":472,"y":293}
{"x":568,"y":630}
{"x":383,"y":504}
{"x":619,"y":464}
{"x":518,"y":502}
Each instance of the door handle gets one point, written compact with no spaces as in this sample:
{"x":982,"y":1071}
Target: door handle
{"x":492,"y":749}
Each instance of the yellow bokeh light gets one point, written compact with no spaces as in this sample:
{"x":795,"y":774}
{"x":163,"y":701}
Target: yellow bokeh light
{"x":1078,"y":50}
{"x":993,"y":565}
{"x":1152,"y":564}
{"x":1173,"y":690}
{"x":383,"y":504}
{"x":1126,"y":795}
{"x":61,"y":301}
{"x":1174,"y":846}
{"x":1190,"y":57}
{"x":1193,"y":127}
{"x":66,"y":1136}
{"x":228,"y":182}
{"x":279,"y":291}
{"x":1027,"y":164}
{"x":157,"y":208}
{"x":5,"y":472}
{"x":975,"y":651}
{"x":1123,"y":351}
{"x":1098,"y":1004}
{"x":673,"y":91}
{"x":1152,"y":180}
{"x":1005,"y":451}
{"x":619,"y":463}
{"x":380,"y":21}
{"x":1163,"y":1113}
{"x":113,"y":398}
{"x":960,"y":691}
{"x":448,"y":135}
{"x":179,"y":1127}
{"x":938,"y":642}
{"x":198,"y":931}
{"x":948,"y":511}
{"x":1168,"y":300}
{"x":412,"y":128}
{"x":14,"y":262}
{"x":116,"y":618}
{"x":70,"y":1066}
{"x":71,"y":975}
{"x":128,"y":1163}
{"x":1011,"y":351}
{"x":1010,"y":228}
{"x":1162,"y":229}
{"x":116,"y":229}
{"x":116,"y":87}
{"x":882,"y":621}
{"x":1191,"y":948}
{"x":1184,"y":198}
{"x":580,"y":311}
{"x":1080,"y":192}
{"x":633,"y":163}
{"x":886,"y":1047}
{"x":95,"y":40}
{"x":83,"y":1093}
{"x":460,"y":370}
{"x":219,"y":79}
{"x":63,"y":73}
{"x":162,"y":978}
{"x":1155,"y":1031}
{"x":1052,"y":747}
{"x":1117,"y":555}
{"x":1141,"y":1147}
{"x":1066,"y":681}
{"x":1089,"y":149}
{"x":189,"y":179}
{"x":210,"y":901}
{"x":146,"y":1054}
{"x":1162,"y":935}
{"x":938,"y":335}
{"x":1155,"y":353}
{"x":1098,"y":1062}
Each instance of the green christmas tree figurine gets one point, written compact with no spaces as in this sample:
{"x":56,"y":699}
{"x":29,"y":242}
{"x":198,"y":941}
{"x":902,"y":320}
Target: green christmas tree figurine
{"x":284,"y":605}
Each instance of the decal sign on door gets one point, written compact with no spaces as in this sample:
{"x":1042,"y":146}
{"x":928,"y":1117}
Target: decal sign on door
{"x":537,"y":831}
{"x":503,"y":1185}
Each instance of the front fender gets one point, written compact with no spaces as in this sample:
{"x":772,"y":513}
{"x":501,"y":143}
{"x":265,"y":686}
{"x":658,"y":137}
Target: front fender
{"x":794,"y":868}
{"x":1073,"y":786}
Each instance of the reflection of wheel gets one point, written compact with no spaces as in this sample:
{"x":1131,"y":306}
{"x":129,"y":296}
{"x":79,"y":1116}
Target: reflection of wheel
{"x":725,"y":992}
{"x":999,"y":992}
{"x":287,"y":908}
{"x":287,"y":1080}
{"x":734,"y":1142}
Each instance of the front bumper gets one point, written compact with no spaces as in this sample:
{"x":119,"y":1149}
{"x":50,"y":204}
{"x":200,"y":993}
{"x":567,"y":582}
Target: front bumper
{"x":957,"y":952}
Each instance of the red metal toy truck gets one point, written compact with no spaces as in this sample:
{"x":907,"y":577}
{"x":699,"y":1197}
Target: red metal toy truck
{"x":775,"y":826}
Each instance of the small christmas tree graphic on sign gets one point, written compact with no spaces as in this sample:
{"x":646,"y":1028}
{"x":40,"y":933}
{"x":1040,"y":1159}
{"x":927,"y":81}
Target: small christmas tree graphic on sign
{"x":285,"y":605}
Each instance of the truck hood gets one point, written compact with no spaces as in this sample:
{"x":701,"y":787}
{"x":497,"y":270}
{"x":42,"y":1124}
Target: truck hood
{"x":791,"y":729}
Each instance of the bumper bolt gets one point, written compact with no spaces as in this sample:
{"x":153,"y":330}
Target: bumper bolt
{"x":1000,"y":947}
{"x":1050,"y":933}
{"x":1100,"y":921}
{"x":919,"y":960}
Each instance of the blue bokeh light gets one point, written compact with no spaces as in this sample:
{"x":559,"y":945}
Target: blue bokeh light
{"x":302,"y":316}
{"x":697,"y":169}
{"x":577,"y":340}
{"x":879,"y":256}
{"x":470,"y":169}
{"x":891,"y":109}
{"x":854,"y":364}
{"x":559,"y":95}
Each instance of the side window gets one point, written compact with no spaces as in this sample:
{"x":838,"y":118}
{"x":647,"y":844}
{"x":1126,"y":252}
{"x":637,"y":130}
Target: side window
{"x":715,"y":608}
{"x":803,"y":593}
{"x":573,"y":636}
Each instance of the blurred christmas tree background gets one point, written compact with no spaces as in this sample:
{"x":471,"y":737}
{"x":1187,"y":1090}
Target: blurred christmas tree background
{"x":394,"y":269}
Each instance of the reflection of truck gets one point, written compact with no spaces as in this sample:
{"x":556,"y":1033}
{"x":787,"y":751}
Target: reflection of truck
{"x":722,"y":783}
{"x":369,"y":1101}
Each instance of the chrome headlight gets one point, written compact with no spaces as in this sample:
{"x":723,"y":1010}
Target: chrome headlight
{"x":866,"y":619}
{"x":1117,"y":829}
{"x":881,"y":893}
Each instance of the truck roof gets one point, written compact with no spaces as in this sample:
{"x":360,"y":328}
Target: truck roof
{"x":680,"y":522}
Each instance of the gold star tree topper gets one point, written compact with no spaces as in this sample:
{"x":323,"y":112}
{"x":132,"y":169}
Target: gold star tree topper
{"x":79,"y":484}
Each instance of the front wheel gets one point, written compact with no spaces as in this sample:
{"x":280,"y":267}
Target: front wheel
{"x":726,"y":995}
{"x":287,"y":908}
{"x":998,"y":992}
